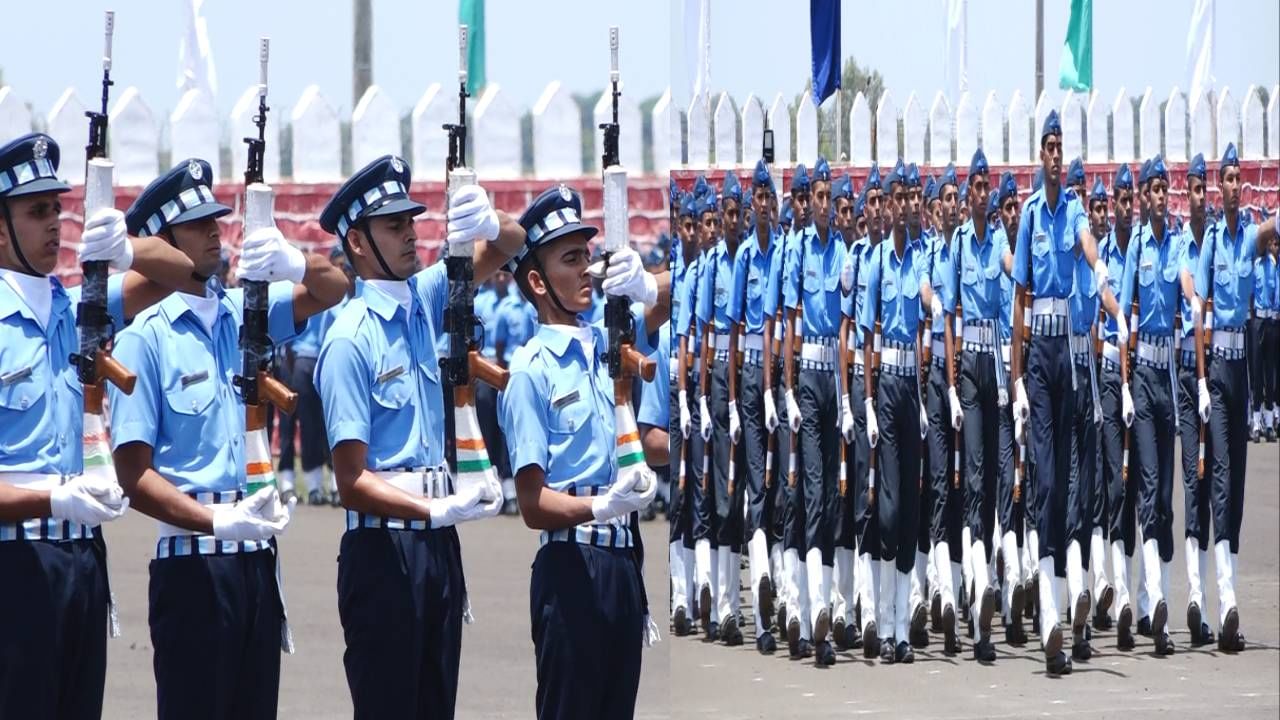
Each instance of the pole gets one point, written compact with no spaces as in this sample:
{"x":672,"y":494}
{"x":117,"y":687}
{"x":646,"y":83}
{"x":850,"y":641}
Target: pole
{"x":362,"y":49}
{"x":1039,"y":49}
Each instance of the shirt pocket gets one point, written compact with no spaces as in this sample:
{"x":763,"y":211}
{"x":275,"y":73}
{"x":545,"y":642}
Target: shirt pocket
{"x":1244,"y":267}
{"x":755,"y":285}
{"x":393,"y":385}
{"x":570,"y":411}
{"x":1040,"y":244}
{"x":23,"y":377}
{"x":188,"y":394}
{"x":1146,"y":269}
{"x":970,"y":275}
{"x":813,"y":280}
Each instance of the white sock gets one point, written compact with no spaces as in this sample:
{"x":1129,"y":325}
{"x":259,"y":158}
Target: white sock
{"x":942,"y":565}
{"x":721,"y":588}
{"x":979,"y":559}
{"x":918,"y":580}
{"x":887,"y":598}
{"x":735,"y":582}
{"x":1098,"y":562}
{"x":509,"y":489}
{"x":1204,"y":574}
{"x":814,"y":571}
{"x":705,"y":569}
{"x":844,"y":585}
{"x":803,"y":600}
{"x":1048,"y":599}
{"x":790,"y":594}
{"x":902,"y":606}
{"x":1139,"y":575}
{"x":1120,"y":575}
{"x":1151,"y":568}
{"x":1195,"y":592}
{"x":679,"y":591}
{"x":1011,"y":571}
{"x":957,"y":576}
{"x":931,"y":571}
{"x":775,"y":567}
{"x":1075,"y":572}
{"x":690,"y":572}
{"x":313,"y":479}
{"x":285,"y":480}
{"x":758,"y":566}
{"x":869,"y":578}
{"x":966,"y":560}
{"x":1226,"y":579}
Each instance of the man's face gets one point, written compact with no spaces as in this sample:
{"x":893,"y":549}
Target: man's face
{"x":685,"y":229}
{"x":979,"y":194}
{"x":915,"y":200}
{"x":947,"y":206}
{"x":732,"y":219}
{"x":844,"y":215}
{"x":874,"y":214}
{"x":35,"y":220}
{"x":821,"y":205}
{"x":1228,"y":184}
{"x":1098,"y":218}
{"x":800,"y":207}
{"x":395,"y":239}
{"x":1124,"y":208}
{"x":935,"y":214}
{"x":898,"y":207}
{"x":708,"y":230}
{"x":760,"y":202}
{"x":200,"y":240}
{"x":1195,"y":198}
{"x":860,"y":227}
{"x":1051,"y":159}
{"x":565,"y":261}
{"x":1158,"y":197}
{"x":1009,"y":216}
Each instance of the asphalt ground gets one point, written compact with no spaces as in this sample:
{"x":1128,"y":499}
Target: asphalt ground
{"x":715,"y":681}
{"x":496,"y":679}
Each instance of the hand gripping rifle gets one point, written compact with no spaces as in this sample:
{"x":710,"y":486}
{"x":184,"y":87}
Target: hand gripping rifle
{"x":624,"y":361}
{"x":93,"y":362}
{"x":464,"y":361}
{"x":255,"y":380}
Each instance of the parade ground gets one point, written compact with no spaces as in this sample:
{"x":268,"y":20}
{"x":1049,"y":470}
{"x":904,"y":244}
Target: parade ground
{"x":496,"y":680}
{"x":714,"y":681}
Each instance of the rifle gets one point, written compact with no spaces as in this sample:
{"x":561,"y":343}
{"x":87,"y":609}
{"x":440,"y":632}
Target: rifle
{"x":256,"y":382}
{"x":93,"y":362}
{"x":1028,"y":297}
{"x":465,"y":361}
{"x":1207,"y":325}
{"x":957,"y":346}
{"x":771,"y":445}
{"x":624,"y":361}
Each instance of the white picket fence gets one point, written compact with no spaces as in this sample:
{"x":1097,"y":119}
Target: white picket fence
{"x":711,"y":133}
{"x":194,"y":128}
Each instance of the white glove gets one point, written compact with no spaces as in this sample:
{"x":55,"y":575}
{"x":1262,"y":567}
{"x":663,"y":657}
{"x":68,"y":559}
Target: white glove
{"x":846,"y":275}
{"x":924,"y":422}
{"x":1097,"y":414}
{"x":1197,"y":309}
{"x":1100,"y":274}
{"x":266,"y":256}
{"x":735,"y":423}
{"x":873,"y":427}
{"x":686,"y":418}
{"x":1126,"y":405}
{"x":623,"y":497}
{"x":846,"y":419}
{"x":466,"y":504}
{"x":471,"y":217}
{"x":106,"y":238}
{"x":770,"y":411}
{"x":88,"y":501}
{"x":1017,"y":431}
{"x":1203,"y":391}
{"x":1002,"y":397}
{"x":705,"y":419}
{"x":957,"y":413}
{"x":793,"y":410}
{"x":257,"y":517}
{"x":1122,"y":330}
{"x":1021,"y":409}
{"x":626,"y":277}
{"x":935,"y":308}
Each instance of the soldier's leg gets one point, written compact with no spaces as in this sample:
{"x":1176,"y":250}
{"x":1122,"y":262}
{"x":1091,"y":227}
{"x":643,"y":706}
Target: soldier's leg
{"x":725,"y":542}
{"x":760,"y":496}
{"x":1049,"y":388}
{"x":909,"y":449}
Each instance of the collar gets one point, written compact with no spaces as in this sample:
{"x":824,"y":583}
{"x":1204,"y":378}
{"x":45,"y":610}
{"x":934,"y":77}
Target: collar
{"x":205,"y":308}
{"x":384,"y":297}
{"x":175,"y":305}
{"x":556,"y":337}
{"x":36,"y":294}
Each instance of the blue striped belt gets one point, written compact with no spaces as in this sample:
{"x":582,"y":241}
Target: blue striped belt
{"x":52,"y":529}
{"x":420,"y":482}
{"x":179,"y":542}
{"x":616,"y":533}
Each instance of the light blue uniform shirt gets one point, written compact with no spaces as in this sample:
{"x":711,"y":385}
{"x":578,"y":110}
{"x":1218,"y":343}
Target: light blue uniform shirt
{"x":816,"y":268}
{"x":1050,"y":234}
{"x":939,"y":269}
{"x":981,"y":270}
{"x":778,"y":264}
{"x":307,"y":343}
{"x":752,"y":282}
{"x":557,"y":413}
{"x":655,"y":397}
{"x":1264,"y":282}
{"x":1152,"y":270}
{"x":1227,"y":262}
{"x":683,"y":297}
{"x":515,"y":321}
{"x":851,"y":305}
{"x":379,"y":376}
{"x":893,"y":290}
{"x":716,"y":289}
{"x":485,"y":306}
{"x":1109,"y":251}
{"x":41,"y":399}
{"x":185,"y":405}
{"x":1189,"y":252}
{"x":1084,"y":301}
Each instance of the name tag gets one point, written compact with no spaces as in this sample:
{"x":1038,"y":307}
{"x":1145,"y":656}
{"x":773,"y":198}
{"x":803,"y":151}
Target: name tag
{"x":1146,"y":266}
{"x":15,"y":376}
{"x":193,"y":378}
{"x":565,"y":400}
{"x":391,"y":374}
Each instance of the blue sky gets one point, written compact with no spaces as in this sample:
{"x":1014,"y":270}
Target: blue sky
{"x":51,"y":44}
{"x":763,"y":45}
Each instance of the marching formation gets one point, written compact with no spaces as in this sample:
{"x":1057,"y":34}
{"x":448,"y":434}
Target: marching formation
{"x":932,"y":400}
{"x":186,"y":440}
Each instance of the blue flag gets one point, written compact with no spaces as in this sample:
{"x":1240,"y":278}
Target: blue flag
{"x":824,"y":38}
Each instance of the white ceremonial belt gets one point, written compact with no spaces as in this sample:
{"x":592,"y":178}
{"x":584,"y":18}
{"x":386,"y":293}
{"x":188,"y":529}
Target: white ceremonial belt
{"x":1111,"y":353}
{"x":722,"y":341}
{"x":1228,"y":339}
{"x":1081,"y":345}
{"x":895,"y":357}
{"x":980,"y":335}
{"x":1049,"y":306}
{"x":1006,"y":352}
{"x":814,"y":352}
{"x":753,"y":342}
{"x":31,"y":481}
{"x":858,"y":358}
{"x":419,"y":482}
{"x":167,"y":530}
{"x":1267,"y":314}
{"x":939,"y":348}
{"x":1154,"y":354}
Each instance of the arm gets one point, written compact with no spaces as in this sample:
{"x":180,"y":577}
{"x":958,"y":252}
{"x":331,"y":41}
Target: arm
{"x":545,"y":509}
{"x":489,"y":257}
{"x":789,"y":351}
{"x":364,"y":492}
{"x":323,"y":286}
{"x":767,"y":337}
{"x":17,"y":504}
{"x":158,"y":269}
{"x":1266,"y":231}
{"x":734,"y":333}
{"x":657,"y":445}
{"x":152,"y":495}
{"x":658,"y":315}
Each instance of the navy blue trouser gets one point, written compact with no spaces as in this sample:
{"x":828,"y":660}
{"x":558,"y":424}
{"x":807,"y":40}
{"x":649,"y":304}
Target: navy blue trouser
{"x":1084,"y":495}
{"x":728,"y":506}
{"x":819,"y":466}
{"x":53,"y":630}
{"x":1195,"y":492}
{"x":680,"y":509}
{"x":400,"y":601}
{"x":1052,"y":403}
{"x":898,"y":483}
{"x":1121,"y":495}
{"x":215,"y":625}
{"x":979,"y":397}
{"x":586,"y":609}
{"x":755,"y":443}
{"x":1228,"y":441}
{"x":1154,"y":425}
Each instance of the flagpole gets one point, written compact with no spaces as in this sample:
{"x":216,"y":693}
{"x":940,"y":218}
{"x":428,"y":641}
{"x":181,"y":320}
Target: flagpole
{"x":1039,"y":49}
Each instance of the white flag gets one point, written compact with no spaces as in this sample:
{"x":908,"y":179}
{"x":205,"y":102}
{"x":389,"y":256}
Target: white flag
{"x":1200,"y":49}
{"x":957,"y":50}
{"x":697,"y":14}
{"x":195,"y":58}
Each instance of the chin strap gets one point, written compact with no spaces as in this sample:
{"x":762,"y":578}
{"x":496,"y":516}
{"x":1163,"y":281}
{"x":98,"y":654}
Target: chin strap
{"x":364,"y":228}
{"x":13,"y":236}
{"x":555,"y":298}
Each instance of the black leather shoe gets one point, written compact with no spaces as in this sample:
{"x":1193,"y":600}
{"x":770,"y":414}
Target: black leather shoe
{"x":1014,"y":634}
{"x":1197,"y":626}
{"x":1144,"y":626}
{"x":766,"y":645}
{"x":918,"y":633}
{"x":950,"y":643}
{"x":1053,"y":643}
{"x":1231,"y":641}
{"x":1124,"y":629}
{"x":822,"y":626}
{"x":840,"y":633}
{"x":1018,"y":604}
{"x":704,"y":605}
{"x":1032,"y":598}
{"x":823,"y":655}
{"x":886,"y":651}
{"x":782,"y":624}
{"x":1160,"y":620}
{"x":1206,"y":635}
{"x":1081,"y":651}
{"x":984,"y":652}
{"x":1102,"y":611}
{"x":730,"y":632}
{"x":1102,"y":621}
{"x":1079,"y":620}
{"x":1057,"y":665}
{"x":680,"y":621}
{"x":853,"y":638}
{"x":793,"y":637}
{"x":764,"y":593}
{"x":713,"y":632}
{"x":990,"y":598}
{"x":935,"y":613}
{"x":1164,"y":644}
{"x":806,"y":649}
{"x":315,"y":497}
{"x":904,"y":653}
{"x":870,"y":641}
{"x":512,"y":507}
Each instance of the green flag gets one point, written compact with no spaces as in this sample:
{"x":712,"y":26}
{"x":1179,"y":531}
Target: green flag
{"x":471,"y":14}
{"x":1075,"y":70}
